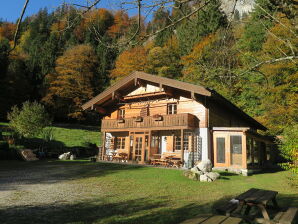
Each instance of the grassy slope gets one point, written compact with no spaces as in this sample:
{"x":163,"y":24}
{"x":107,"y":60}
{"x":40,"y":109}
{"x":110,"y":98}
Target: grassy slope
{"x":109,"y":193}
{"x":72,"y":135}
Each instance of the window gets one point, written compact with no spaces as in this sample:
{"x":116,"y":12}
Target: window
{"x":154,"y":141}
{"x":177,"y":143}
{"x":236,"y":144}
{"x":172,"y":108}
{"x":221,"y":150}
{"x":121,"y":113}
{"x":120,"y":143}
{"x":186,"y":140}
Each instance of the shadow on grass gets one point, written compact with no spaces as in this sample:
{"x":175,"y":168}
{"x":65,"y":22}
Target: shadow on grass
{"x":139,"y":211}
{"x":15,"y":173}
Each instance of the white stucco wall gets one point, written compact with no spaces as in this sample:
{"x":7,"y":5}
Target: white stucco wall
{"x":205,"y":136}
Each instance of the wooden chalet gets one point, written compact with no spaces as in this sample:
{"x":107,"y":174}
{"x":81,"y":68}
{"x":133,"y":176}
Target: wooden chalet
{"x":148,"y":118}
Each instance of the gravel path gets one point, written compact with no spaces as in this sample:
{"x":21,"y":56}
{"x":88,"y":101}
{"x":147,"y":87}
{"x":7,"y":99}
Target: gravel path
{"x":43,"y":183}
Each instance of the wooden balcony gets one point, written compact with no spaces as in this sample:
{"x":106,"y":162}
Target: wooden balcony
{"x":167,"y":122}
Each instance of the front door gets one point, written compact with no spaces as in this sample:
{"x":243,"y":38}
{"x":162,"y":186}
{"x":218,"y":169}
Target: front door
{"x":221,"y":150}
{"x":138,"y":147}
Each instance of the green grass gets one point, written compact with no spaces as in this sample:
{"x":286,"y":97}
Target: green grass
{"x":77,"y":136}
{"x":72,"y":135}
{"x":114,"y":193}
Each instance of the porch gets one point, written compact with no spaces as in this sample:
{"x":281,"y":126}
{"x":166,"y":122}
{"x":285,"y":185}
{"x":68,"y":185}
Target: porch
{"x":169,"y":148}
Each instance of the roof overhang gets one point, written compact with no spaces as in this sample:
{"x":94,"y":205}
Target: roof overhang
{"x":137,"y":79}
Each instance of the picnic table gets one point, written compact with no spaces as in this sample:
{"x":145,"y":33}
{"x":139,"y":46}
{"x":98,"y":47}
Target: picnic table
{"x":258,"y":198}
{"x":212,"y":219}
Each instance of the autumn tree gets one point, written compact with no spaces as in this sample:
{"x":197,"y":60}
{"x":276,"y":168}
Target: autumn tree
{"x":121,"y":24}
{"x":204,"y":22}
{"x":128,"y":61}
{"x":72,"y":83}
{"x":280,"y":100}
{"x":165,"y":61}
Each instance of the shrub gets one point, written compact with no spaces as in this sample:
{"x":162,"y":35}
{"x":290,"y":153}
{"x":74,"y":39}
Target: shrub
{"x":30,"y":120}
{"x":4,"y":145}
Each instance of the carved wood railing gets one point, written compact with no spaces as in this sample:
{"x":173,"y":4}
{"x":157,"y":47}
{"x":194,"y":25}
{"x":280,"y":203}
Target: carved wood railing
{"x":170,"y":120}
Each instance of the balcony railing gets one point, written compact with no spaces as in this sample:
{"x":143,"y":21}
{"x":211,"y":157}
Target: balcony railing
{"x":166,"y":121}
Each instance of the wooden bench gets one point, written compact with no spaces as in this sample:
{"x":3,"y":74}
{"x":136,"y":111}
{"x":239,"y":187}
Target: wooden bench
{"x":227,"y":208}
{"x":212,"y":219}
{"x":287,"y":217}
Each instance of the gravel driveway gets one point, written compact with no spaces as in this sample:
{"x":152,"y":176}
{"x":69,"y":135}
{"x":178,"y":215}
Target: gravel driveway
{"x":43,"y":184}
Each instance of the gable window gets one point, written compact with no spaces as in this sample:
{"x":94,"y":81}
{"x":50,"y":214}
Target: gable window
{"x":172,"y":108}
{"x":121,"y":113}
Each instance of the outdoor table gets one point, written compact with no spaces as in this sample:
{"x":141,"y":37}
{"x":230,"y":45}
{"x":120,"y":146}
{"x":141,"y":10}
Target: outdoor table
{"x":258,"y":198}
{"x":212,"y":219}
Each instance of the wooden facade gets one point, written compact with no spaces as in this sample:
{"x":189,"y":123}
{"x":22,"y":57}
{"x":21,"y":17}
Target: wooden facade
{"x":146,"y":116}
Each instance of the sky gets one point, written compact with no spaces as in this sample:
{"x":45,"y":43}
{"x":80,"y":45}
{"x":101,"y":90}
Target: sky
{"x":10,"y":10}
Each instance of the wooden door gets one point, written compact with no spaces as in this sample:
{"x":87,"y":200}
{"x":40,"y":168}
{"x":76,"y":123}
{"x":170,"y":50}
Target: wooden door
{"x":221,"y":150}
{"x":138,"y":147}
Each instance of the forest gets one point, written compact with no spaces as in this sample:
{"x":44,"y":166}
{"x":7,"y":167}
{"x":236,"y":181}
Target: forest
{"x":250,"y":58}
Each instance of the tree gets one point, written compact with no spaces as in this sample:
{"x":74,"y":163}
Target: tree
{"x":165,"y":61}
{"x":289,"y":148}
{"x":128,"y":61}
{"x":203,"y":23}
{"x":73,"y":81}
{"x":30,"y":120}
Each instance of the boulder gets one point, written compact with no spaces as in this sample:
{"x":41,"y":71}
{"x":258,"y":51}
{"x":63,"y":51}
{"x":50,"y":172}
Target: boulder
{"x":196,"y":170}
{"x":64,"y":156}
{"x":72,"y":157}
{"x":193,"y":176}
{"x":213,"y":175}
{"x":205,"y":178}
{"x":205,"y":166}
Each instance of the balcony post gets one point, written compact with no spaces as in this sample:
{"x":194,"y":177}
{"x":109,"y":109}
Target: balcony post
{"x":149,"y":144}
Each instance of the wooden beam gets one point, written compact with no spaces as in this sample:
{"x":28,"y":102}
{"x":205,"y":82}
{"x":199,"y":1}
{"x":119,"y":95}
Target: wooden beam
{"x":103,"y":144}
{"x":149,"y":144}
{"x":182,"y":146}
{"x":99,"y":109}
{"x":244,"y":151}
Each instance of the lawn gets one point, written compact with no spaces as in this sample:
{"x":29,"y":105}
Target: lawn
{"x":84,"y":192}
{"x":72,"y":135}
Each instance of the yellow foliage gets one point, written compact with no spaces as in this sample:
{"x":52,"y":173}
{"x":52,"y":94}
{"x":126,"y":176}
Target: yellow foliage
{"x":129,"y":61}
{"x":72,"y":83}
{"x":7,"y":30}
{"x":190,"y":61}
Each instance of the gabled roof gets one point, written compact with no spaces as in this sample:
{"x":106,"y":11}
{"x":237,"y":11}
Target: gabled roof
{"x":108,"y":98}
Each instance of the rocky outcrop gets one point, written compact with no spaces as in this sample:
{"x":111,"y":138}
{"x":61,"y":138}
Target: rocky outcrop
{"x":202,"y":172}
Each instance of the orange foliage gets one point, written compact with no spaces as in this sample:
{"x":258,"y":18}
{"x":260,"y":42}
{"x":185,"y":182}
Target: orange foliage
{"x":97,"y":15}
{"x":93,"y":18}
{"x":7,"y":30}
{"x":189,"y":61}
{"x":280,"y":40}
{"x":72,"y":82}
{"x":129,"y":61}
{"x":121,"y":24}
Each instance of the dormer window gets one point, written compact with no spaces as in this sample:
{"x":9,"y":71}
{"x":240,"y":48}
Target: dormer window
{"x":121,"y":113}
{"x":172,"y":108}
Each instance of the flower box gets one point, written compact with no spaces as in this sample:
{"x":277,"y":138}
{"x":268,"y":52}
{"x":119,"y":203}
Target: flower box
{"x":138,"y":119}
{"x":120,"y":120}
{"x":157,"y":117}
